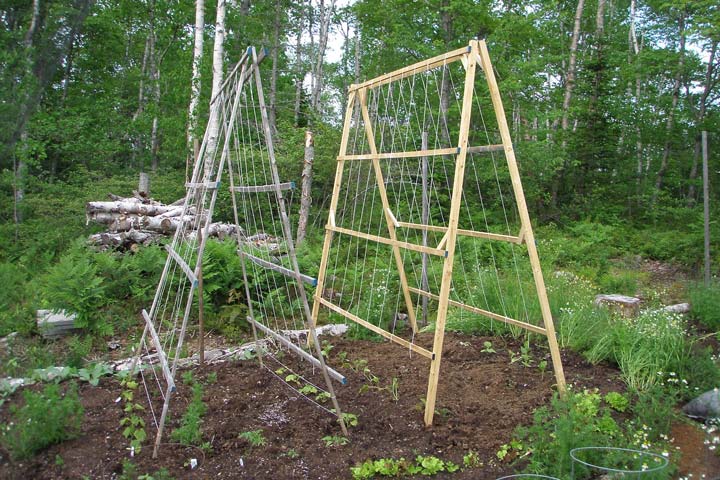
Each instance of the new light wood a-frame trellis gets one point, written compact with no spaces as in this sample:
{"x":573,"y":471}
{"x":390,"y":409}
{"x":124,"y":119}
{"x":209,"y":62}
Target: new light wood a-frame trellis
{"x":416,"y":171}
{"x":240,"y":145}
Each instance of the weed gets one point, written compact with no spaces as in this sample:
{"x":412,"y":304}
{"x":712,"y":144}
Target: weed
{"x":335,"y":441}
{"x":254,"y":437}
{"x":47,"y":417}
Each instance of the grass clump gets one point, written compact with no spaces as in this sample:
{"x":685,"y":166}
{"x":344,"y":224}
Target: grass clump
{"x":46,"y":418}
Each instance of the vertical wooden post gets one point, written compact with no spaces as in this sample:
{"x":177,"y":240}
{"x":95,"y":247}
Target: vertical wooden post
{"x":424,"y":284}
{"x":201,"y":308}
{"x":444,"y":294}
{"x":386,"y":208}
{"x":528,"y":236}
{"x":706,"y":206}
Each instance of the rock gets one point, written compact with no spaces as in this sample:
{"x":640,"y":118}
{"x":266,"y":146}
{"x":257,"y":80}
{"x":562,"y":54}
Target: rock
{"x":113,"y":345}
{"x":678,"y":308}
{"x":626,"y":306}
{"x":55,"y":324}
{"x":705,"y":406}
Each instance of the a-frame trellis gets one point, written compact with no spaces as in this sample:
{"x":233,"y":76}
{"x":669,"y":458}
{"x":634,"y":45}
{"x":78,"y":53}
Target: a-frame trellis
{"x":398,"y":143}
{"x":238,"y":144}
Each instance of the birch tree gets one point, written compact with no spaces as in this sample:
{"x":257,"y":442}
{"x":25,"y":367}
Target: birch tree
{"x":196,"y":84}
{"x":217,"y":80}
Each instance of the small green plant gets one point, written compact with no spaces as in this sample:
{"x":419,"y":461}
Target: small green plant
{"x":350,"y":419}
{"x":542,"y":366}
{"x":93,"y":374}
{"x":59,"y":460}
{"x":293,"y":378}
{"x":471,"y":460}
{"x":395,"y":389}
{"x":254,"y":437}
{"x":47,"y":417}
{"x":308,"y":390}
{"x":617,"y":401}
{"x":189,"y":431}
{"x":423,"y":465}
{"x":211,"y":378}
{"x":132,"y":423}
{"x":335,"y":441}
{"x":322,"y":397}
{"x":291,"y":453}
{"x":326,"y":347}
{"x":487,"y":347}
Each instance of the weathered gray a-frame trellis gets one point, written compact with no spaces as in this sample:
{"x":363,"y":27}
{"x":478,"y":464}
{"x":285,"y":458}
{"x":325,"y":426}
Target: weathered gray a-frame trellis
{"x":241,"y":142}
{"x":386,"y":121}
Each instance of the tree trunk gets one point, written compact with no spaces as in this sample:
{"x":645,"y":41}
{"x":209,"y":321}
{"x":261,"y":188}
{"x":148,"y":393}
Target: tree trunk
{"x":306,"y":198}
{"x":218,"y":54}
{"x":671,"y":114}
{"x":272,"y":110}
{"x":298,"y":68}
{"x":326,"y":14}
{"x":195,"y":86}
{"x":700,"y":118}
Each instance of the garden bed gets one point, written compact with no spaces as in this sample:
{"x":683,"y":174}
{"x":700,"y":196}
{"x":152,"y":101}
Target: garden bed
{"x":483,"y":397}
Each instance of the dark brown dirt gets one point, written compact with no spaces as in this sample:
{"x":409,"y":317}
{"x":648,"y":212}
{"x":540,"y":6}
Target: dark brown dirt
{"x":482,"y":399}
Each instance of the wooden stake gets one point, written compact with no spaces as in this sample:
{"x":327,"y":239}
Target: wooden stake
{"x":201,"y":310}
{"x":386,"y":209}
{"x":527,"y":230}
{"x":425,"y":218}
{"x":451,"y":237}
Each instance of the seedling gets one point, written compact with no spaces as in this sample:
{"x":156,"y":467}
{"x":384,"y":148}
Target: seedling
{"x":322,"y":397}
{"x":326,"y":347}
{"x":134,"y":425}
{"x":471,"y":460}
{"x":308,"y":390}
{"x":254,"y":437}
{"x":293,"y":378}
{"x":487,"y":347}
{"x":335,"y":441}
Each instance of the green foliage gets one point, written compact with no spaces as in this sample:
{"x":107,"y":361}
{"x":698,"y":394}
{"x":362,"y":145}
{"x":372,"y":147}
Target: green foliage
{"x":73,"y":285}
{"x":189,"y":432}
{"x":705,"y":305}
{"x":423,"y":465}
{"x":78,"y":350}
{"x":15,"y":315}
{"x":335,"y":441}
{"x":46,"y":418}
{"x":132,"y":423}
{"x":617,"y":401}
{"x":254,"y":437}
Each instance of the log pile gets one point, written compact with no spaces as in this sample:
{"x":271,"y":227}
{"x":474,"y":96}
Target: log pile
{"x":139,"y":220}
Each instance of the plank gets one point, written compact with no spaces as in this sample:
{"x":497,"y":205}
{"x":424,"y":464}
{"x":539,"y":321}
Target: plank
{"x":453,"y":219}
{"x":480,"y":311}
{"x":183,"y":265}
{"x":393,"y":155}
{"x":387,"y":241}
{"x":527,"y":230}
{"x":299,"y":351}
{"x":263,"y":188}
{"x":413,"y":69}
{"x":415,"y":348}
{"x":158,"y":348}
{"x":208,"y":185}
{"x":463,"y":232}
{"x":277,"y":268}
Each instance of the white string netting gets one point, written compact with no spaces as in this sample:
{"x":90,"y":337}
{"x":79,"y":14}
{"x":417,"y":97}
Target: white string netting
{"x":422,"y":112}
{"x":241,"y":145}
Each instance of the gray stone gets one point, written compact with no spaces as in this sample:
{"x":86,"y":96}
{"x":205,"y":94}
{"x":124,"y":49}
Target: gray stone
{"x":626,"y":306}
{"x":705,"y":406}
{"x":678,"y":308}
{"x":55,"y":324}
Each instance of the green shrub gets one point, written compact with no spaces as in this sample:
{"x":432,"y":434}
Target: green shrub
{"x":46,"y":418}
{"x":705,"y":302}
{"x":73,"y":284}
{"x":15,"y":314}
{"x":78,"y":350}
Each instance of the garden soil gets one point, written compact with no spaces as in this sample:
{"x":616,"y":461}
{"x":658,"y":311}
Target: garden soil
{"x":482,"y":398}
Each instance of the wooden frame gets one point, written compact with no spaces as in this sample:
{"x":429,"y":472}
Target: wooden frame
{"x":472,"y":57}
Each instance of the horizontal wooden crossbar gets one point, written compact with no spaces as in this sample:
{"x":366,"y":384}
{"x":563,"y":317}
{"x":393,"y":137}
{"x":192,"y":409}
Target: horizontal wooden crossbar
{"x":480,"y":311}
{"x":208,"y":185}
{"x":413,"y":69}
{"x":486,"y":148}
{"x":467,"y":233}
{"x":278,"y":268}
{"x":161,"y":354}
{"x":302,"y":353}
{"x":374,"y":328}
{"x":387,"y":241}
{"x":264,"y":188}
{"x":392,"y":155}
{"x":183,"y":265}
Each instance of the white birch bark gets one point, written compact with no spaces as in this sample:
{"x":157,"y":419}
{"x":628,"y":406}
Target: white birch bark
{"x":218,"y":55}
{"x":196,"y":82}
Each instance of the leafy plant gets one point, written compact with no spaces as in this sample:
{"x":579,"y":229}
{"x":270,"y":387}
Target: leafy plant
{"x":335,"y":441}
{"x":617,"y":401}
{"x":46,"y":418}
{"x":93,"y":374}
{"x":254,"y":437}
{"x":487,"y":347}
{"x":705,"y":303}
{"x":133,"y":423}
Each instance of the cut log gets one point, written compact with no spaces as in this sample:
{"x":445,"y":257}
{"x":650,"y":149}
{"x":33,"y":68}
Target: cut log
{"x":130,"y":205}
